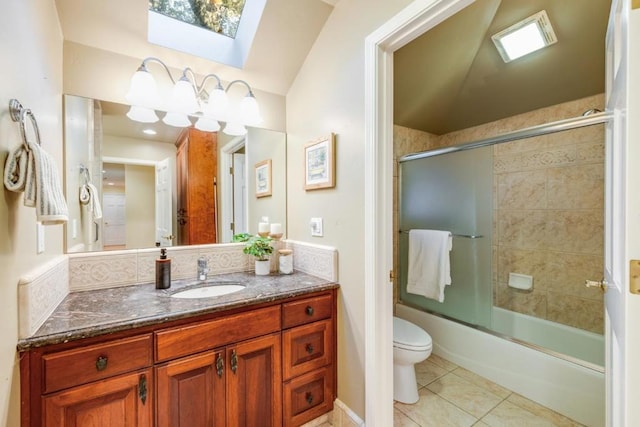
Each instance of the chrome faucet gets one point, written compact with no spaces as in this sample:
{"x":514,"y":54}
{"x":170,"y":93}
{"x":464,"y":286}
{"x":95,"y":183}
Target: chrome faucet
{"x":203,"y":269}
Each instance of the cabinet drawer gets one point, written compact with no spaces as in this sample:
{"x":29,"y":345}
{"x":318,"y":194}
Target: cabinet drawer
{"x":182,"y":341}
{"x":306,"y":311}
{"x":306,"y":348}
{"x":308,"y":396}
{"x":79,"y":366}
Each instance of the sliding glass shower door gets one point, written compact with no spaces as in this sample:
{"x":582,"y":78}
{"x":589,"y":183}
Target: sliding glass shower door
{"x":452,"y":192}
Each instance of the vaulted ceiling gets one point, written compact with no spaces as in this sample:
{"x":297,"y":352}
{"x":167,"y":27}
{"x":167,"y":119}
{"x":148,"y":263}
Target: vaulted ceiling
{"x":452,"y":77}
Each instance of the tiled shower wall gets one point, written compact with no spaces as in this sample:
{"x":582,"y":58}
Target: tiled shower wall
{"x":548,"y":211}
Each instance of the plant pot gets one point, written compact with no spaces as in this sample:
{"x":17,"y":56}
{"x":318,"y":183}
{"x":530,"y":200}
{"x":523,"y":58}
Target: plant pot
{"x":263,"y":268}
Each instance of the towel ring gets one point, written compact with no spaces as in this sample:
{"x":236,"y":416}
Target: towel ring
{"x":19,"y":114}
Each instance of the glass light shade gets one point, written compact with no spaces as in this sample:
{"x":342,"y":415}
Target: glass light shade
{"x":142,"y":114}
{"x":217,"y":105}
{"x":143,"y":90}
{"x":183,"y":98}
{"x":235,"y":129}
{"x":178,"y":120}
{"x":206,"y":124}
{"x":249,"y":111}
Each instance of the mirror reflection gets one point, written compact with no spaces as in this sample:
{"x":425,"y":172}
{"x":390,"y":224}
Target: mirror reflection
{"x":130,"y":185}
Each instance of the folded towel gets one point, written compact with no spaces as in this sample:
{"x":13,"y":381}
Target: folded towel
{"x":429,"y":263}
{"x":89,"y":196}
{"x":31,"y":170}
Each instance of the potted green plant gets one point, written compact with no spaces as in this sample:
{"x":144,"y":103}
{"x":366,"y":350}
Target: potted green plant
{"x":260,"y":248}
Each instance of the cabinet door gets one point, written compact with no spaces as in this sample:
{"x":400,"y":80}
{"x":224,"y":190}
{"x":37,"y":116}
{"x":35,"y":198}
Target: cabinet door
{"x":254,"y":383}
{"x":125,"y":400}
{"x":191,"y":391}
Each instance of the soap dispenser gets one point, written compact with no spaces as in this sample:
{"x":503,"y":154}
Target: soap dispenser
{"x":163,"y":271}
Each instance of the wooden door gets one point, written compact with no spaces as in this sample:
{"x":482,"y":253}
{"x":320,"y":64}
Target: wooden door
{"x":126,"y":400}
{"x":254,"y":383}
{"x":203,"y":170}
{"x":191,"y":391}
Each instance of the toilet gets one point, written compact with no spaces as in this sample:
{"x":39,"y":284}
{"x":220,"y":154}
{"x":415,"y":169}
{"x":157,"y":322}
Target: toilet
{"x":411,"y":345}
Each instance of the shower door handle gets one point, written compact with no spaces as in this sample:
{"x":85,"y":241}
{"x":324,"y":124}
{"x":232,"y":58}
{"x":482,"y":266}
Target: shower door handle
{"x":602,"y":284}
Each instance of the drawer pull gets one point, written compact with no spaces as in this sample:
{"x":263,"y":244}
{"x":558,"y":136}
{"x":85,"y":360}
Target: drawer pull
{"x":101,"y":363}
{"x":234,"y":361}
{"x":309,"y":397}
{"x":220,"y":365}
{"x":309,"y":310}
{"x":142,"y":388}
{"x":309,"y":348}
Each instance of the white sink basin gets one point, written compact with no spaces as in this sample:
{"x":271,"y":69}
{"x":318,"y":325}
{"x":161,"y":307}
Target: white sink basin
{"x":208,"y":291}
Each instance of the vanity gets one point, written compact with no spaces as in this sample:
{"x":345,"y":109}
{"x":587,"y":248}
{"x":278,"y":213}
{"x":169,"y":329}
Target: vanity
{"x":137,"y":356}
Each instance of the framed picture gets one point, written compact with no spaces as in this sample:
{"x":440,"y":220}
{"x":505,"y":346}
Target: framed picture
{"x":320,"y":163}
{"x":263,"y":178}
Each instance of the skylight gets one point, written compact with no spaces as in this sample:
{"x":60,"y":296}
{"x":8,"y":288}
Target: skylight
{"x":218,"y":30}
{"x":525,"y":37}
{"x":221,"y":16}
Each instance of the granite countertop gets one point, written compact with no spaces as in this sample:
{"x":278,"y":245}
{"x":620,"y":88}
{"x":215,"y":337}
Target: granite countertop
{"x":92,"y":313}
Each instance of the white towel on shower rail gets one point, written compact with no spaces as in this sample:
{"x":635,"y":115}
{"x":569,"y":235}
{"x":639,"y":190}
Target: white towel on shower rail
{"x":429,"y":263}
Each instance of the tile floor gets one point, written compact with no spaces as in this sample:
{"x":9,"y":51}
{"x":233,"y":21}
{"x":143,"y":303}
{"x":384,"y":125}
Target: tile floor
{"x":452,"y":396}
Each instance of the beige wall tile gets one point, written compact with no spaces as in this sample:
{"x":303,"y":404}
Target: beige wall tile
{"x":591,"y":152}
{"x":533,"y":303}
{"x":573,"y":311}
{"x":523,"y":261}
{"x":568,"y":271}
{"x":535,"y":160}
{"x":576,"y":187}
{"x":520,"y":146}
{"x":522,"y":229}
{"x":575,"y":231}
{"x":522,"y":190}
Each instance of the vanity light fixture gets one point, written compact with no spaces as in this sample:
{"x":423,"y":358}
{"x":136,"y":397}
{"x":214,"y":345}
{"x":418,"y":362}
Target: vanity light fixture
{"x":188,"y":98}
{"x":530,"y":34}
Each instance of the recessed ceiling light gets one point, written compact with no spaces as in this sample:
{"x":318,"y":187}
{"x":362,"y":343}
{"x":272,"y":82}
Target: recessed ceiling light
{"x":524,"y":37}
{"x":110,"y":183}
{"x":149,"y":131}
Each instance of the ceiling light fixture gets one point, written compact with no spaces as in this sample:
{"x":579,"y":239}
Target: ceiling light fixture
{"x":149,"y":132}
{"x":188,"y":98}
{"x":524,"y":37}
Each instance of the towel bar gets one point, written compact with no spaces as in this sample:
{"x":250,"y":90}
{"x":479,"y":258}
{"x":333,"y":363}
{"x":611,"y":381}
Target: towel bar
{"x":466,"y":236}
{"x":19,"y":114}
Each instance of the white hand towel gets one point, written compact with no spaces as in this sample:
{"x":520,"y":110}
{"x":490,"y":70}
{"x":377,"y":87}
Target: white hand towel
{"x":429,"y":263}
{"x":30,"y":169}
{"x":89,"y":196}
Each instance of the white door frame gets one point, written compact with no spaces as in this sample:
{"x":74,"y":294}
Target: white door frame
{"x":226,"y":186}
{"x":411,"y":22}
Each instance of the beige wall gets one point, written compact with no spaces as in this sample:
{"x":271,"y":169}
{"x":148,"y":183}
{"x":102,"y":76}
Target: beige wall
{"x":31,"y":48}
{"x":140,"y":205}
{"x":328,"y":96}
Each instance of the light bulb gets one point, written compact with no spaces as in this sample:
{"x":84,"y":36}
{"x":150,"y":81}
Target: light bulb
{"x":206,"y":124}
{"x":143,"y":90}
{"x":176,"y":119}
{"x":249,"y":111}
{"x":183,"y":98}
{"x":142,"y":114}
{"x":235,"y":129}
{"x":217,"y":105}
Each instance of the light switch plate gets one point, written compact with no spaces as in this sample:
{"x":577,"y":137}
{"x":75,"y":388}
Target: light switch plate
{"x":39,"y":238}
{"x":316,"y":227}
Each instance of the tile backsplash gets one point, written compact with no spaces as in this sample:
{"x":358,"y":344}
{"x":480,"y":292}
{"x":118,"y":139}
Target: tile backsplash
{"x":43,"y":289}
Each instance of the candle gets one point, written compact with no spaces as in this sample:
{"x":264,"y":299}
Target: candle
{"x":263,"y":227}
{"x":276,"y":229}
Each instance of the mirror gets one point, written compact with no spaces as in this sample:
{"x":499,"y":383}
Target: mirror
{"x":128,"y":190}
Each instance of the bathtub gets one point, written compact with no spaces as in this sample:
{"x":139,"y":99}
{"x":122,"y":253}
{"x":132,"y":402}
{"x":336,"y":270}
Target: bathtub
{"x":573,"y":342}
{"x":576,"y":390}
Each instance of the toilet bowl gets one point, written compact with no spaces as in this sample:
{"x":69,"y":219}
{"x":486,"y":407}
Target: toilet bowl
{"x":411,"y":345}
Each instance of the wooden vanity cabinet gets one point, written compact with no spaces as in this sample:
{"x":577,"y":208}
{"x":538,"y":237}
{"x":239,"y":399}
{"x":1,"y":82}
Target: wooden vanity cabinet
{"x":267,"y":365}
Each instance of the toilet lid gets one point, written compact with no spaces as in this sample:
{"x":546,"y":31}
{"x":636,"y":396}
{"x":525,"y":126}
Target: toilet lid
{"x":409,"y":336}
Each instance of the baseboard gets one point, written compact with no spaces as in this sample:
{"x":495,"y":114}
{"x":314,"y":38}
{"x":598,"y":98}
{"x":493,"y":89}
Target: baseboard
{"x":343,"y":416}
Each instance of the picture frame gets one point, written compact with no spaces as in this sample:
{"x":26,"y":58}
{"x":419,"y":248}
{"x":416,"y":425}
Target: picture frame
{"x":320,"y":163}
{"x":263,"y":178}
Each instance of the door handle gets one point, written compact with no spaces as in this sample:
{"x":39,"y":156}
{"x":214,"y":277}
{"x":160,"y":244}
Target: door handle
{"x":602,"y":284}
